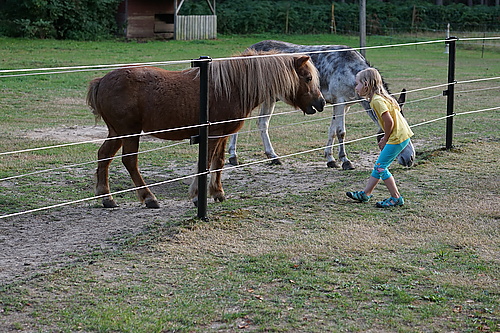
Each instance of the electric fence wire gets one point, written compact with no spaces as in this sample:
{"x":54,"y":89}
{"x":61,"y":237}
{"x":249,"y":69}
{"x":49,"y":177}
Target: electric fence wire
{"x":223,"y":122}
{"x":58,"y":70}
{"x":228,"y":168}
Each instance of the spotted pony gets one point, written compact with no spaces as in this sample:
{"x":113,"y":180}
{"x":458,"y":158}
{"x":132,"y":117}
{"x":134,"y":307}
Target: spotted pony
{"x":337,"y":71}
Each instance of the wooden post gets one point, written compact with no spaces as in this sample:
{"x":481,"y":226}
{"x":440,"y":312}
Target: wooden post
{"x":447,"y":46}
{"x":482,"y":48}
{"x":413,"y":17}
{"x":362,"y":27}
{"x":333,"y":25}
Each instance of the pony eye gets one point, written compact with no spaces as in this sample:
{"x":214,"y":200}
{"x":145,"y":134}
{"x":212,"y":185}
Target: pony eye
{"x":309,"y":79}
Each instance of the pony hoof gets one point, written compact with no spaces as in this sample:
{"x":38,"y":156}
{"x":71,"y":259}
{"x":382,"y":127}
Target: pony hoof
{"x":219,"y":198}
{"x":233,"y":160}
{"x":332,"y":164}
{"x":109,"y":203}
{"x":276,"y":161}
{"x":347,"y":165}
{"x":151,"y":203}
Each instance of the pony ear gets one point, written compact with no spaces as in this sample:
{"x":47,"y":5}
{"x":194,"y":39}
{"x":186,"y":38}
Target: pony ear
{"x":402,"y":98}
{"x":301,"y":60}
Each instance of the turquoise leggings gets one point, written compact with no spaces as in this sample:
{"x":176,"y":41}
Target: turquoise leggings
{"x":386,"y":157}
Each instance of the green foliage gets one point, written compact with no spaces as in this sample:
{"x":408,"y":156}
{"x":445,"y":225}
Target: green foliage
{"x":94,"y":19}
{"x":314,"y":16}
{"x":61,"y":19}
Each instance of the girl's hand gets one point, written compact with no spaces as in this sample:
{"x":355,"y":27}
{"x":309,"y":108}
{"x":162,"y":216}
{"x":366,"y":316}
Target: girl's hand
{"x":382,"y":142}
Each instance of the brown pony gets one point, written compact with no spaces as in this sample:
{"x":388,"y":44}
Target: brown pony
{"x":135,"y":99}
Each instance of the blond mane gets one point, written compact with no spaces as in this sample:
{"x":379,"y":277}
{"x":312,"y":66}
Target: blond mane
{"x":250,"y":74}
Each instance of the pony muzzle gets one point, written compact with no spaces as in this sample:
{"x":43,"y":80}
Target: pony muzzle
{"x":316,"y":106}
{"x":321,"y":105}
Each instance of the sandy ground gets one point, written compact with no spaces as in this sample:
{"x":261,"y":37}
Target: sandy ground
{"x":36,"y":243}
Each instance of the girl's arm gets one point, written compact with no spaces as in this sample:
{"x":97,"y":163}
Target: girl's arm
{"x":388,"y":127}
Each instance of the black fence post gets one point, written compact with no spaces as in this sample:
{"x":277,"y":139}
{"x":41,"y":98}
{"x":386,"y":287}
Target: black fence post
{"x":203,"y":63}
{"x":450,"y":92}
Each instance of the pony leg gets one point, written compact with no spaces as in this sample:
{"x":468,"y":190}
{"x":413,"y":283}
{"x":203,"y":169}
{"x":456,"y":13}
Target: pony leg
{"x":266,"y":111}
{"x":341,"y":132}
{"x":105,"y":156}
{"x":193,"y":188}
{"x":337,"y":129}
{"x":129,"y":159}
{"x":233,"y":156}
{"x":263,"y":124}
{"x":332,"y":132}
{"x":217,"y":163}
{"x":331,"y":163}
{"x":216,"y":149}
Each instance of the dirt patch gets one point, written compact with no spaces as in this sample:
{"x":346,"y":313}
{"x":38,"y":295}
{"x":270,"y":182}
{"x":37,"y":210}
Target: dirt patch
{"x":75,"y":134}
{"x":40,"y":242}
{"x":34,"y":243}
{"x":37,"y":243}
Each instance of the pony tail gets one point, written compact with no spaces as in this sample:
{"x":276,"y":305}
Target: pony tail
{"x":92,"y":98}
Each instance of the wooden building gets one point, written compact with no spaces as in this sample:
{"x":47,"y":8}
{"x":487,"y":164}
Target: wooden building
{"x":159,"y":19}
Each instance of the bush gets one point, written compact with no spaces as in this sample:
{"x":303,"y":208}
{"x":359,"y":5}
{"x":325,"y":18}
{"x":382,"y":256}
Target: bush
{"x":95,"y":19}
{"x":314,"y":16}
{"x":61,"y":19}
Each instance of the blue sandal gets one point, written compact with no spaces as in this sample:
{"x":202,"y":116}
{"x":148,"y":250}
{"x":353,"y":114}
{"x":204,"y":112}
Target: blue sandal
{"x":359,"y":196}
{"x":391,"y":202}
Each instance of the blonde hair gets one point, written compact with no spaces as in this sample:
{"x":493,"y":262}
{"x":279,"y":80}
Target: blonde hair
{"x":373,"y":84}
{"x":250,"y":77}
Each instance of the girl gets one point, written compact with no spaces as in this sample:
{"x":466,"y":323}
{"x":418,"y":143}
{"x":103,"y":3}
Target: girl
{"x":397,"y":136}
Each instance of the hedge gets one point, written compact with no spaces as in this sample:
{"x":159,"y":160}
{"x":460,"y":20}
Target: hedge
{"x":314,"y":16}
{"x":95,"y":19}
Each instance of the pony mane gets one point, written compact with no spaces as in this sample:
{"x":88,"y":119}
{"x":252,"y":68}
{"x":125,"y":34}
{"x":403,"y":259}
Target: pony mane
{"x":265,"y":78}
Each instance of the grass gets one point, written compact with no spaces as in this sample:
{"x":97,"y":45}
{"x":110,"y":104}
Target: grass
{"x":278,"y":256}
{"x":293,"y":268}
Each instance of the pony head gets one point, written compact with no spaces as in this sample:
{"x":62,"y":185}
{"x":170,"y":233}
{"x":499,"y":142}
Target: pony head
{"x":308,"y":96}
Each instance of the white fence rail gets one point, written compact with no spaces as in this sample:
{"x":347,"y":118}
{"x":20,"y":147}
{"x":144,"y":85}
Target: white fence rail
{"x":191,"y":27}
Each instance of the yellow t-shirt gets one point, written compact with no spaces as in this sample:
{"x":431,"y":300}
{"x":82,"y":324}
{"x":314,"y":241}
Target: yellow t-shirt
{"x":401,"y":130}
